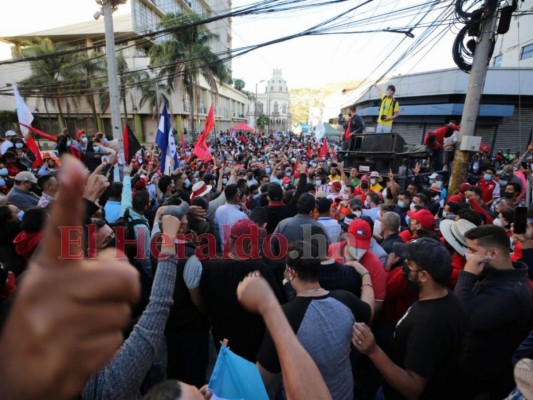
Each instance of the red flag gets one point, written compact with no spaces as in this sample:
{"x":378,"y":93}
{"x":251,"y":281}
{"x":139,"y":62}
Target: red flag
{"x":347,"y":132}
{"x":201,"y":149}
{"x":40,"y":133}
{"x":131,"y":144}
{"x":182,"y":140}
{"x":309,"y":152}
{"x":32,"y":146}
{"x":324,"y":149}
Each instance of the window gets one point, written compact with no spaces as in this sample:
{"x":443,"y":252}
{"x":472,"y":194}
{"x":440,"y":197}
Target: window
{"x":498,"y":61}
{"x":527,"y":52}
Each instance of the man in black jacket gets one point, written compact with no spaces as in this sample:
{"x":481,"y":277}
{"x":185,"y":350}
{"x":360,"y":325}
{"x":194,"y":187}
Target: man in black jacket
{"x":496,"y":297}
{"x":354,"y":125}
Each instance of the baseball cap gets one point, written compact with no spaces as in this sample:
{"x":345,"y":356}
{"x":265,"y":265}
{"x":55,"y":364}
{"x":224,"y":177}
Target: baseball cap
{"x":360,"y":234}
{"x":80,"y":133}
{"x":46,"y":155}
{"x":286,"y":180}
{"x":25,"y":176}
{"x":10,"y":133}
{"x":336,"y":185}
{"x":323,"y":204}
{"x":434,"y":175}
{"x":463,"y":187}
{"x":429,"y":255}
{"x":243,"y":227}
{"x":346,"y":221}
{"x":424,"y":218}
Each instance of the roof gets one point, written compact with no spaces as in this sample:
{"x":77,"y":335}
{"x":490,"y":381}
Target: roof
{"x":499,"y":81}
{"x":121,"y":24}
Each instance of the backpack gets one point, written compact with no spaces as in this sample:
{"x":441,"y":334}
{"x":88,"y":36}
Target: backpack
{"x":127,"y":223}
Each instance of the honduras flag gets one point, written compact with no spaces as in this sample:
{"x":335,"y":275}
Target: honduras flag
{"x":235,"y":378}
{"x":165,"y":142}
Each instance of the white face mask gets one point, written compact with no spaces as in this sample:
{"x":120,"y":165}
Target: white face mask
{"x":497,"y":222}
{"x":358,"y":213}
{"x":356,"y":253}
{"x":84,"y":139}
{"x":345,"y":196}
{"x":412,"y":207}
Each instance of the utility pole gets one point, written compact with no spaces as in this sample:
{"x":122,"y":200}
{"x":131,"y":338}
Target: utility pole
{"x":108,"y":6}
{"x":474,"y":92}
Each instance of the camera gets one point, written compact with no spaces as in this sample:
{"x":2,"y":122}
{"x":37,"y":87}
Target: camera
{"x":383,"y":117}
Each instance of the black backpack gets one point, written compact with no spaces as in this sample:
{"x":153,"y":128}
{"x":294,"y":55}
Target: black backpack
{"x":393,"y":104}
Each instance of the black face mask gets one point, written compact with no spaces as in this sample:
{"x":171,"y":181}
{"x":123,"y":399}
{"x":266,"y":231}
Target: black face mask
{"x":364,"y":185}
{"x":407,"y":273}
{"x":508,"y":195}
{"x":279,"y":176}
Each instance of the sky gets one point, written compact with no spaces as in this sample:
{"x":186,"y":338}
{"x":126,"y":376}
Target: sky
{"x":307,"y":61}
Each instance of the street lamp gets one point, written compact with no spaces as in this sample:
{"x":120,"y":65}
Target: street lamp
{"x":107,"y":8}
{"x":255,"y":104}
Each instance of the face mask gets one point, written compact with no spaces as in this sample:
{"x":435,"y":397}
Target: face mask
{"x":345,"y":196}
{"x":84,"y":140}
{"x":105,"y":141}
{"x":2,"y":182}
{"x":356,"y":253}
{"x":20,"y":214}
{"x":431,"y":181}
{"x":367,"y":204}
{"x":436,"y":197}
{"x":268,"y":170}
{"x":487,"y":177}
{"x":357,"y":213}
{"x":497,"y":222}
{"x":187,"y":183}
{"x":288,"y":174}
{"x":372,"y":181}
{"x":438,"y":183}
{"x":401,"y":204}
{"x":444,"y":214}
{"x":19,"y":145}
{"x":279,"y":176}
{"x":515,"y":168}
{"x":318,"y":182}
{"x":408,"y":220}
{"x":96,"y":149}
{"x":224,"y":181}
{"x":3,"y":172}
{"x":364,"y":185}
{"x":412,"y":207}
{"x":408,"y":274}
{"x":508,"y":195}
{"x":69,"y":142}
{"x":285,"y":186}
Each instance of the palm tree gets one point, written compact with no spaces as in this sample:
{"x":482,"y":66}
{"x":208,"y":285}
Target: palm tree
{"x":49,"y":74}
{"x":128,"y":79}
{"x":186,"y":53}
{"x":152,"y":93}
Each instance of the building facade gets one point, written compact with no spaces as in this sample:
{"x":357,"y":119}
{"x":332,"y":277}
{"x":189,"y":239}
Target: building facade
{"x":275,"y":103}
{"x":231,"y":105}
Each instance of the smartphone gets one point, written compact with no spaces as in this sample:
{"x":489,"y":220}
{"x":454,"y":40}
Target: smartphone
{"x":520,"y":220}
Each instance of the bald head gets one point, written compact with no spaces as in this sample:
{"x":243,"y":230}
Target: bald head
{"x":391,"y":221}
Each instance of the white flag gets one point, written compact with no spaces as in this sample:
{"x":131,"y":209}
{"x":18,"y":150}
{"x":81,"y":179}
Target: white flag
{"x":320,"y":130}
{"x":23,"y":112}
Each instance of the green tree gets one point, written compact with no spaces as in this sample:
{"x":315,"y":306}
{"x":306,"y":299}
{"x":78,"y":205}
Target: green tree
{"x":127,"y":79}
{"x":239,"y":84}
{"x":186,"y":53}
{"x":262,"y":121}
{"x":50,"y":76}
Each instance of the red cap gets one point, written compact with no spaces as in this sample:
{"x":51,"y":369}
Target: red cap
{"x":243,"y":227}
{"x":336,"y":185}
{"x":364,"y":178}
{"x":463,"y":187}
{"x":286,"y":180}
{"x":423,"y":217}
{"x":80,"y":133}
{"x":360,"y":234}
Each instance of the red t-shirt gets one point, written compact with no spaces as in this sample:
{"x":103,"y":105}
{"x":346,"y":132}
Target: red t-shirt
{"x":458,"y":264}
{"x":371,"y":262}
{"x":487,"y":189}
{"x":400,"y":296}
{"x":439,"y":135}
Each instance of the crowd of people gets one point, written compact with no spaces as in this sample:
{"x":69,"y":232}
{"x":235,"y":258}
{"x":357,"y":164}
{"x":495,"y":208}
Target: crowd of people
{"x":120,"y":282}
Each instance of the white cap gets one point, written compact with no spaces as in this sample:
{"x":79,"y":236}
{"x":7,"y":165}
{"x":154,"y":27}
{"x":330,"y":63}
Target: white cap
{"x":10,"y":133}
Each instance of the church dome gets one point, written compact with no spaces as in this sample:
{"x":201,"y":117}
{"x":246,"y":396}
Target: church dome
{"x":276,"y":84}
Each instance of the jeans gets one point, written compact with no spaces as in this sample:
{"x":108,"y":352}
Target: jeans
{"x":383,"y":128}
{"x":437,"y":158}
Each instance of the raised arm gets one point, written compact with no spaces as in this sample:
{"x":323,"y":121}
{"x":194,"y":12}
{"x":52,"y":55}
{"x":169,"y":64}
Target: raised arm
{"x":301,"y":377}
{"x":378,"y":90}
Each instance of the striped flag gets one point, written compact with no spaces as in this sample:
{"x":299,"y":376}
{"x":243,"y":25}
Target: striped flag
{"x":23,"y":112}
{"x":165,"y":142}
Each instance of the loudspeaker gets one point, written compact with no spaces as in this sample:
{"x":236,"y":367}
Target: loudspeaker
{"x":380,"y":143}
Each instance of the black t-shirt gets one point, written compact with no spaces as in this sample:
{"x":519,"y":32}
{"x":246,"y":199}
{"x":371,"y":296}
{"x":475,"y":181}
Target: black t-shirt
{"x":336,"y":276}
{"x":427,"y":341}
{"x":244,"y":330}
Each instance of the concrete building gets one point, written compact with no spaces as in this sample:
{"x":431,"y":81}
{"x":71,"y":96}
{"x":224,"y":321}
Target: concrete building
{"x":231,"y":105}
{"x":276,"y":103}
